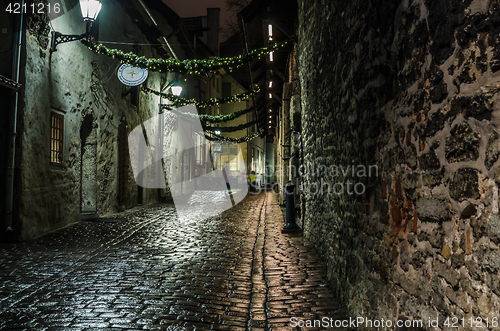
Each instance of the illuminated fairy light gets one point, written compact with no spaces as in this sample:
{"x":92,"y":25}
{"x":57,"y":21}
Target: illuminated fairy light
{"x":191,"y":67}
{"x":217,"y":118}
{"x":218,"y":130}
{"x":235,"y":140}
{"x":203,"y":103}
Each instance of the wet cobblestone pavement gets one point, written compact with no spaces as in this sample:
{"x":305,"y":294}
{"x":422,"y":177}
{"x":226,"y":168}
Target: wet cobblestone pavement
{"x":235,"y":271}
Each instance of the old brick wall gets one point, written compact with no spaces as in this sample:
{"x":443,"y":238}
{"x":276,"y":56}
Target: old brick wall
{"x":412,"y":87}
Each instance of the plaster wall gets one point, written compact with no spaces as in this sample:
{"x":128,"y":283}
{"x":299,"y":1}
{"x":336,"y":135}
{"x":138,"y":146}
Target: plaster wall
{"x":82,"y":86}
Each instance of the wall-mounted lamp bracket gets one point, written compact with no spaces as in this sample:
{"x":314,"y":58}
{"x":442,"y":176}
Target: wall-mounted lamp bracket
{"x":59,"y":38}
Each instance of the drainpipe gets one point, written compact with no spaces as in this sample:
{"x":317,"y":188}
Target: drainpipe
{"x":9,"y":191}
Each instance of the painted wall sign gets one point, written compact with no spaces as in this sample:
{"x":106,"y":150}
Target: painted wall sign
{"x":132,"y":76}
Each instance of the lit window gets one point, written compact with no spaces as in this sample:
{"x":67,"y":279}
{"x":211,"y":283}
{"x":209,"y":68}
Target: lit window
{"x":270,"y":110}
{"x":224,"y":160}
{"x":271,"y":83}
{"x":56,"y":138}
{"x":271,"y":56}
{"x":270,"y":96}
{"x":229,"y":155}
{"x":270,"y":27}
{"x":269,"y":122}
{"x":233,"y":162}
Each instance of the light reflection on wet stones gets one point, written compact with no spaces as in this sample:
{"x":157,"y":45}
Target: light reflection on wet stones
{"x":153,"y":271}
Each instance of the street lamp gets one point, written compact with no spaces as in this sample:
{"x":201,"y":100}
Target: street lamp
{"x":175,"y":87}
{"x":90,"y":9}
{"x":176,"y":90}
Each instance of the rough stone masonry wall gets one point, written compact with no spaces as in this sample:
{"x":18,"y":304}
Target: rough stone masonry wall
{"x":411,"y":86}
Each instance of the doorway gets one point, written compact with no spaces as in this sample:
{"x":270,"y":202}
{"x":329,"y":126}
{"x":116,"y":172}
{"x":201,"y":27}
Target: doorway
{"x":88,"y":136}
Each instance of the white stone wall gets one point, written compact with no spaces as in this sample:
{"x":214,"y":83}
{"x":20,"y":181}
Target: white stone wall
{"x":76,"y":82}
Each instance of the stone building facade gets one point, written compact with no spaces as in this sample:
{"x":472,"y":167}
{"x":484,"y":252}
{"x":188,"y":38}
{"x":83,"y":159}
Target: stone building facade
{"x":263,"y":23}
{"x":288,"y":140}
{"x":72,"y":155}
{"x":82,"y":89}
{"x":409,"y":88}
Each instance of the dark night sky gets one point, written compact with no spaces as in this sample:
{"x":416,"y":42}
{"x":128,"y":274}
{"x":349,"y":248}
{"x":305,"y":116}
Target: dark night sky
{"x":190,"y":8}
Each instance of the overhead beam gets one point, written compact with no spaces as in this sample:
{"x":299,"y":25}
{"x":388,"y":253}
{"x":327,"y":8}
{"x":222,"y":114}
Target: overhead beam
{"x":277,"y":97}
{"x":273,"y":70}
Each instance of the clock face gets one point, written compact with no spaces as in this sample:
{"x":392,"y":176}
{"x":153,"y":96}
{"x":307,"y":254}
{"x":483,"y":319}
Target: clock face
{"x":132,"y":76}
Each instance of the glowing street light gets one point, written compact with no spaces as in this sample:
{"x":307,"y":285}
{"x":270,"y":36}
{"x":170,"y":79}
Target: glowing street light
{"x":90,"y":9}
{"x":176,"y":90}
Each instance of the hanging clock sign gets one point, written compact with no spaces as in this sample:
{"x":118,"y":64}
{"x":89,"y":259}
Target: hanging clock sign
{"x":132,"y":76}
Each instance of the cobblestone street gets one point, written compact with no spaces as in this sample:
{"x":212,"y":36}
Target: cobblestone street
{"x":145,"y":270}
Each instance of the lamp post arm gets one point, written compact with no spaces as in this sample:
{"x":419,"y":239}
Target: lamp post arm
{"x":59,"y":38}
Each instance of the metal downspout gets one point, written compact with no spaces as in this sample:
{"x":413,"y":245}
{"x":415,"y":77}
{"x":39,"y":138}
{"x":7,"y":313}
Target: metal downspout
{"x":16,"y":67}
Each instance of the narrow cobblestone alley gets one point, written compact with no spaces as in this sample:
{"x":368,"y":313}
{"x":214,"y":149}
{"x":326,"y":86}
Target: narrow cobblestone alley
{"x":145,"y":270}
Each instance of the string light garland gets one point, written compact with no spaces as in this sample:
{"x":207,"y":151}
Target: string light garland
{"x":214,"y":137}
{"x":217,"y":118}
{"x":190,"y":67}
{"x":202,"y":103}
{"x":229,"y":128}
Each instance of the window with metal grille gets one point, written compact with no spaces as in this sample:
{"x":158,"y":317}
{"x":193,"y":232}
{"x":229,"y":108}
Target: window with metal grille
{"x":56,"y":138}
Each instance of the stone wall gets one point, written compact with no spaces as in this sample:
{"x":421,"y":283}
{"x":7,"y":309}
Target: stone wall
{"x":412,"y":87}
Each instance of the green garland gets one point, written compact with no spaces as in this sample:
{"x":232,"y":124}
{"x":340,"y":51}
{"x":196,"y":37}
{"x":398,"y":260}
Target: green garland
{"x":212,"y":129}
{"x":202,"y":103}
{"x":190,"y":67}
{"x":226,"y":118}
{"x":217,"y":119}
{"x":244,"y":139}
